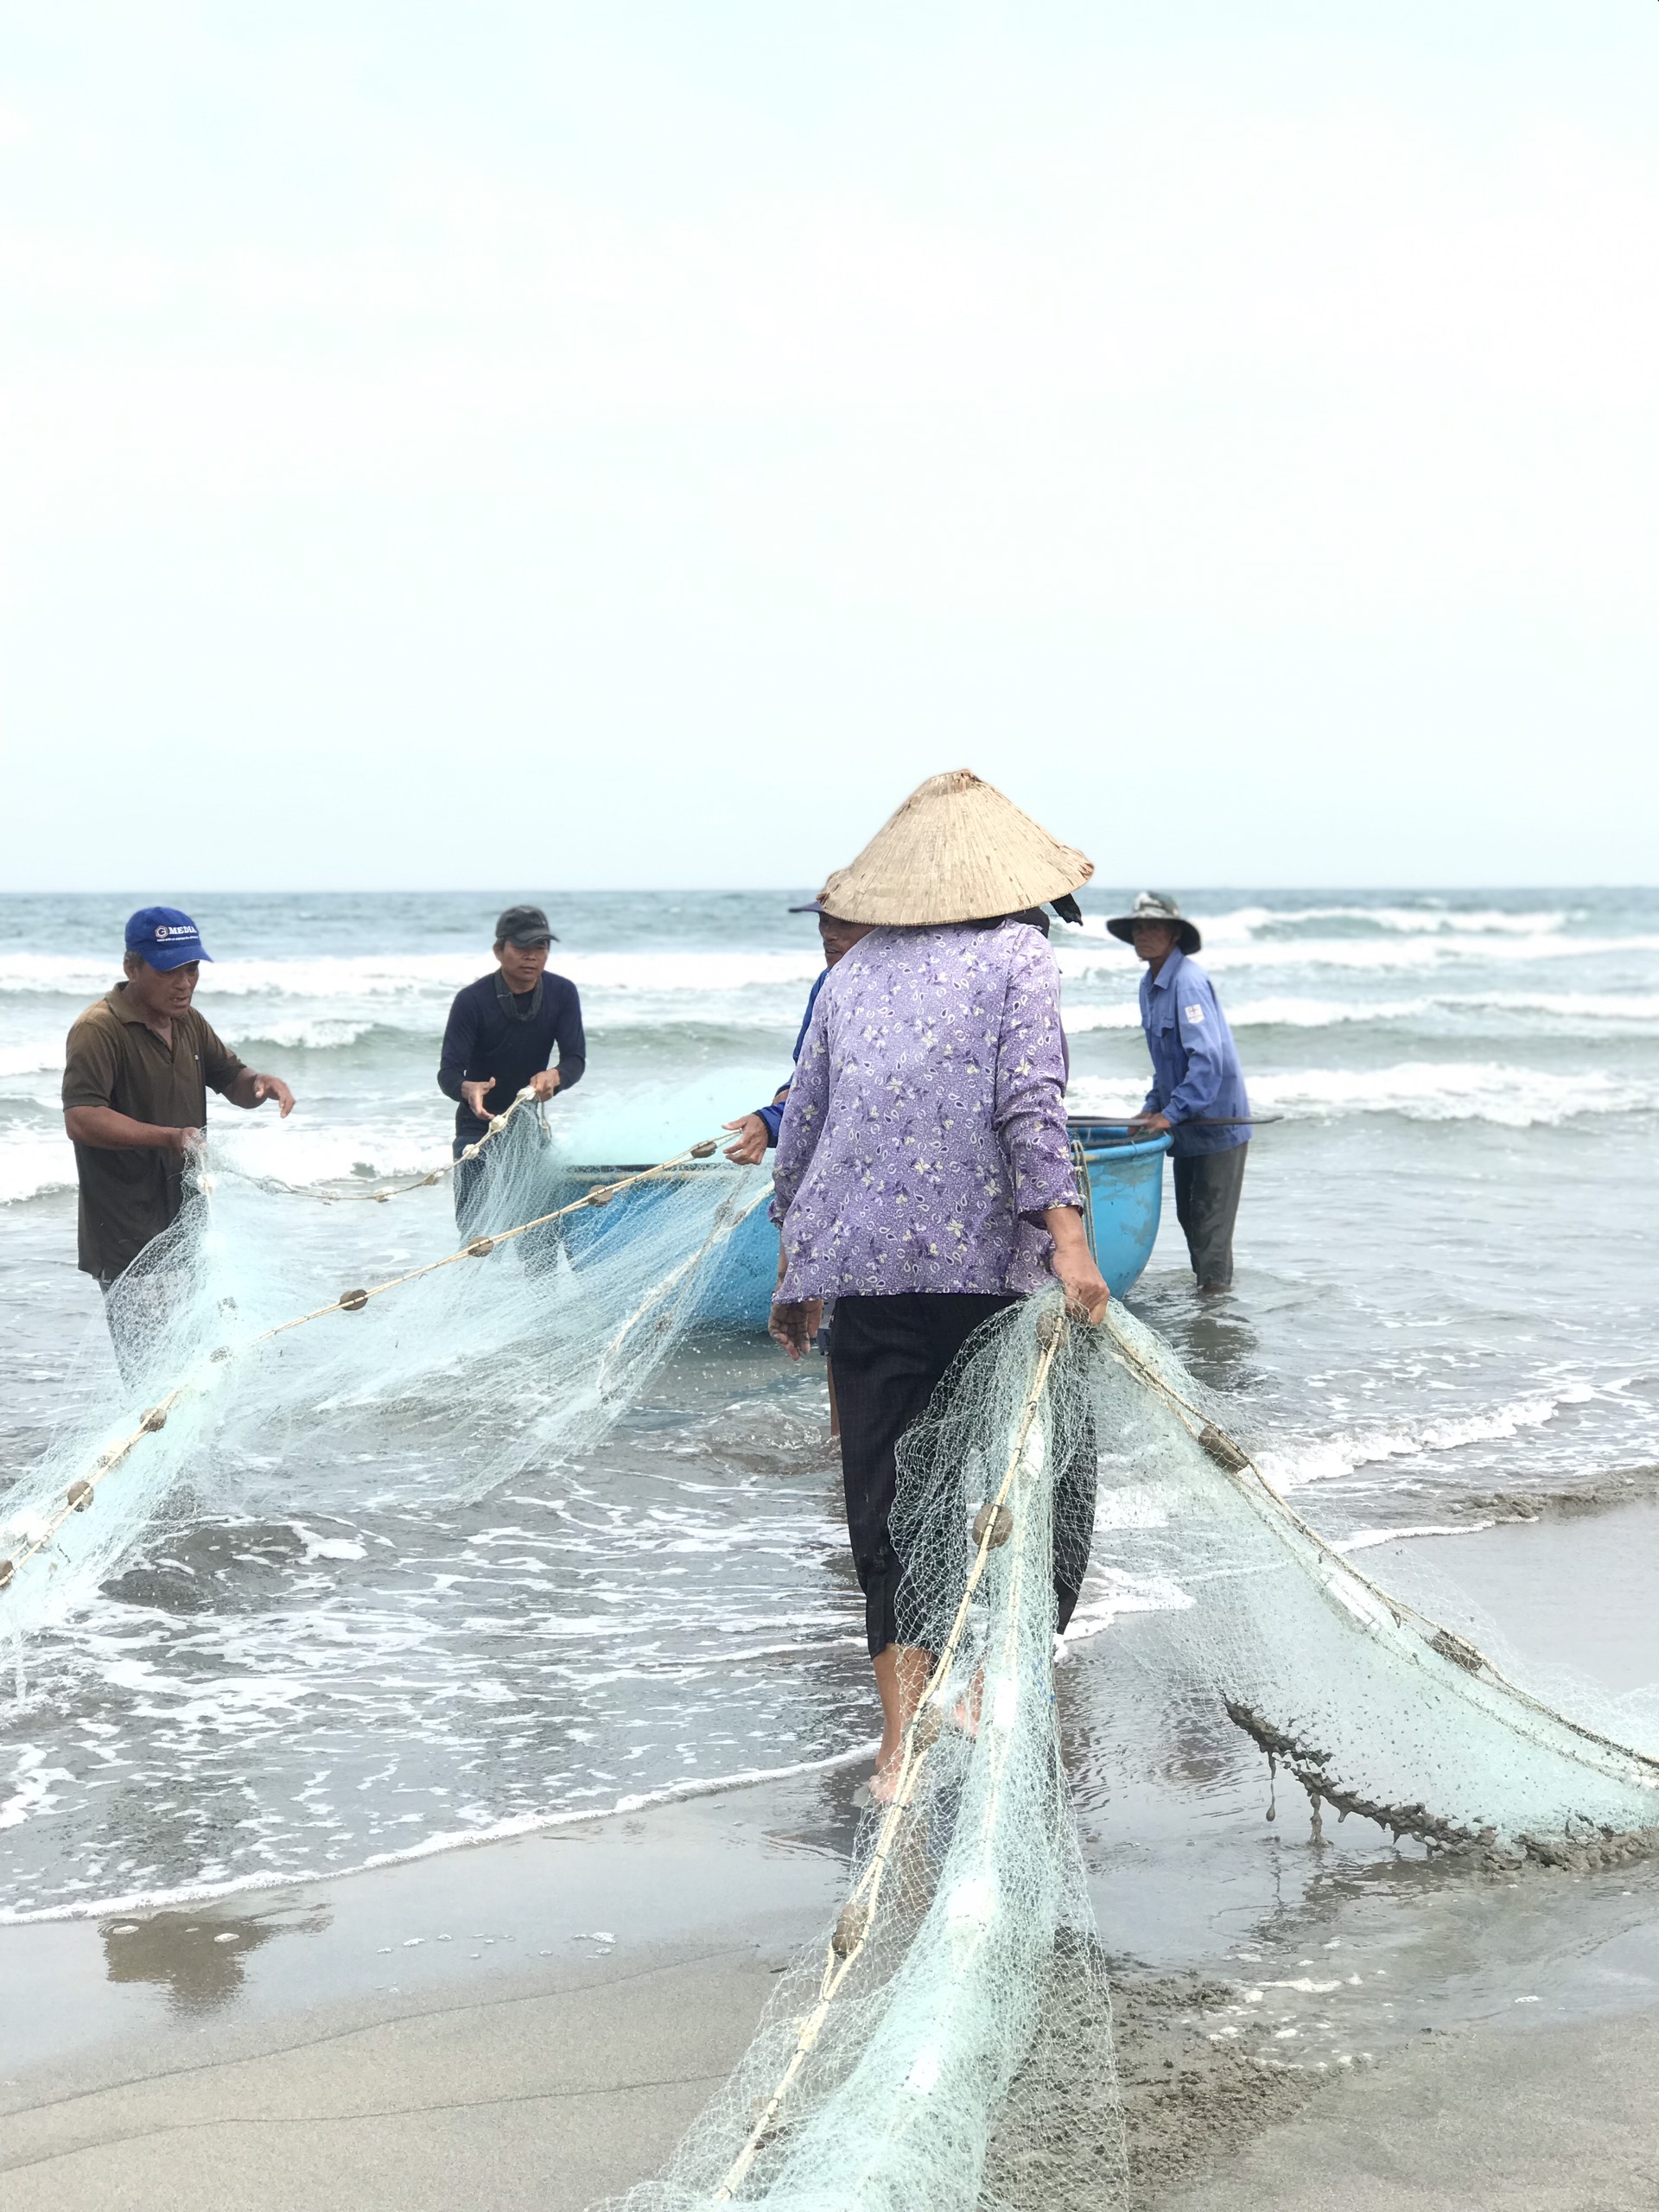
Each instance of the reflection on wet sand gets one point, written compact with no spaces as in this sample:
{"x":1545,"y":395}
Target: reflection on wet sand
{"x":199,"y":1958}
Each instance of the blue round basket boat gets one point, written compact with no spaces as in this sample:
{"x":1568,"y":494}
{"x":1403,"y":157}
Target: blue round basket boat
{"x":1121,"y":1176}
{"x":1122,"y":1179}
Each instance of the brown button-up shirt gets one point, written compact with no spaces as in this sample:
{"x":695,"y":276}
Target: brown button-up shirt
{"x":115,"y":1059}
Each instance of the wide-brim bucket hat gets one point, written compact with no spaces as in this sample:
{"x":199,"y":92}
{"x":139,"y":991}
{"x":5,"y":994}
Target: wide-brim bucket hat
{"x":957,"y":850}
{"x":1153,"y":907}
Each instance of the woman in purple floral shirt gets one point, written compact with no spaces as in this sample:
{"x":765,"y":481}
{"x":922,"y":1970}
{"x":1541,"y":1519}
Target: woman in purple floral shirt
{"x":924,"y":1179}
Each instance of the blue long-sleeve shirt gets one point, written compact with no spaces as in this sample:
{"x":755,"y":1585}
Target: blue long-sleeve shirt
{"x":773,"y":1115}
{"x":1195,"y":1072}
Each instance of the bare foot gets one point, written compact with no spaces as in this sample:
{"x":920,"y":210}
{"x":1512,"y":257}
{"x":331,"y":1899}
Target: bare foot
{"x":964,"y":1714}
{"x":884,"y":1782}
{"x":901,"y":1673}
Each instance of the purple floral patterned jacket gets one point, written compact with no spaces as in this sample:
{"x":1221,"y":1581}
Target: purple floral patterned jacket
{"x":925,"y":1136}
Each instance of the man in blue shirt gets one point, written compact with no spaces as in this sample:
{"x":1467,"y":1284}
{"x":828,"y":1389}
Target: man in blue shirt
{"x":502,"y":1034}
{"x":758,"y":1132}
{"x":1197,"y":1088}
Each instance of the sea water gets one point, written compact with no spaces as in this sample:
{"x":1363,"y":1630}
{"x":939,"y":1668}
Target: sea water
{"x":1443,"y":1318}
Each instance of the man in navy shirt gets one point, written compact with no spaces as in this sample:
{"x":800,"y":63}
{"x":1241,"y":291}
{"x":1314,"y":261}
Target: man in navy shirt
{"x":503,"y":1031}
{"x":1198,"y":1088}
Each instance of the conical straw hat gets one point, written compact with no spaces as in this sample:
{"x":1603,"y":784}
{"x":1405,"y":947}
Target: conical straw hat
{"x":956,"y":851}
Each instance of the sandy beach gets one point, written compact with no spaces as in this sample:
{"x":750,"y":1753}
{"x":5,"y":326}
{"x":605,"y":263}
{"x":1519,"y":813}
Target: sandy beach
{"x":532,"y":2023}
{"x":526,"y":2024}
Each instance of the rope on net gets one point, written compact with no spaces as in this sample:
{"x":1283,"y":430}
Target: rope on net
{"x":725,"y":1221}
{"x":993,"y":1526}
{"x":1380,"y":1611}
{"x":1085,"y":1192}
{"x":80,"y":1493}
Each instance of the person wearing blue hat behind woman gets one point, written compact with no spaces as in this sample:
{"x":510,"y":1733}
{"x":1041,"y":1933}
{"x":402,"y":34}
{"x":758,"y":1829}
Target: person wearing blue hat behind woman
{"x":138,"y":1066}
{"x":758,"y":1132}
{"x":1198,"y":1090}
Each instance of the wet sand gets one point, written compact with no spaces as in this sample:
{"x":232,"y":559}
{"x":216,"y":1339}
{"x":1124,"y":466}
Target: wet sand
{"x":1494,"y":2118}
{"x":525,"y":2024}
{"x":533,"y":2023}
{"x":1553,"y":2120}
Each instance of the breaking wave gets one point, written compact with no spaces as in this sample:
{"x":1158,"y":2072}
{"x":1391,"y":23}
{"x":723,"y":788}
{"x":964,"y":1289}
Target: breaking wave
{"x":1331,"y":1458}
{"x":1420,"y":954}
{"x":404,"y":977}
{"x":1286,"y":1013}
{"x":1420,"y":1090}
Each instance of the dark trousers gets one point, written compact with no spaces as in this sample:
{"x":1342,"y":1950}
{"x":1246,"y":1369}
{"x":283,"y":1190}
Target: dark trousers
{"x":890,"y":1355}
{"x":1207,"y":1187}
{"x":479,"y":1215}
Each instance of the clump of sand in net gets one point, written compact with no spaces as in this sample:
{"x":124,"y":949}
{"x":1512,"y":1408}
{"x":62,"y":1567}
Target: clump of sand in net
{"x":398,"y":1377}
{"x":949,"y":2046}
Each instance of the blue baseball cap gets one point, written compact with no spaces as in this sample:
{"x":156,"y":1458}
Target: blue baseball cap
{"x":164,"y":938}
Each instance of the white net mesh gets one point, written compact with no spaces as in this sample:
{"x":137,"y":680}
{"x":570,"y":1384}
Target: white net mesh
{"x":447,"y":1381}
{"x":949,"y":2046}
{"x":1376,"y":1709}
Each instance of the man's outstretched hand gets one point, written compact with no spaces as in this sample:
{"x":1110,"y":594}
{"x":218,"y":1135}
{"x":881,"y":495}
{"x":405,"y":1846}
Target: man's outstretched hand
{"x":272,"y":1086}
{"x":753,"y":1137}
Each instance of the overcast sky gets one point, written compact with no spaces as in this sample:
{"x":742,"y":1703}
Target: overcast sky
{"x":633,"y":443}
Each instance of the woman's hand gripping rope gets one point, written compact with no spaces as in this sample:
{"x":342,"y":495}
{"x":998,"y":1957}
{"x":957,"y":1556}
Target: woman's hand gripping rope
{"x":1073,"y":1267}
{"x":794,"y":1322}
{"x":993,"y":1525}
{"x":79,"y":1497}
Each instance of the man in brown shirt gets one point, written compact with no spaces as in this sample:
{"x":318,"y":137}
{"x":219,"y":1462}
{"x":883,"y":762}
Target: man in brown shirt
{"x":135,"y":1091}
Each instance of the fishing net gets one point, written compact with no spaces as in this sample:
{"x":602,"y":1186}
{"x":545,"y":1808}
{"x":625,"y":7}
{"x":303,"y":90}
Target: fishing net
{"x":275,"y":1351}
{"x":1375,"y":1709}
{"x":949,"y":2045}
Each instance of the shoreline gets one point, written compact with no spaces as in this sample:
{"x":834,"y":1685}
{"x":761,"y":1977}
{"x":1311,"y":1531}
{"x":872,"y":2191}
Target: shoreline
{"x":1618,"y":1648}
{"x":536,"y":2023}
{"x":514,"y":1828}
{"x":581,"y":1990}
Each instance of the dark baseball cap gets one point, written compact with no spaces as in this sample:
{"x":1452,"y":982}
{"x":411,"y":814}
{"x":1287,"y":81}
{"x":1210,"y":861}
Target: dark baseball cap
{"x":163,"y":937}
{"x":523,"y":926}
